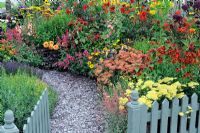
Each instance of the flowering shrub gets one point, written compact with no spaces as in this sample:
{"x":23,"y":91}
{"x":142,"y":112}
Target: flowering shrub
{"x":150,"y":91}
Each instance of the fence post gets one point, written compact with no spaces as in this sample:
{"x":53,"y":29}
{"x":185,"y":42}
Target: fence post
{"x":9,"y":126}
{"x":134,"y":115}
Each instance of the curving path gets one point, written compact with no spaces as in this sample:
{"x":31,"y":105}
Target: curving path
{"x":79,"y":109}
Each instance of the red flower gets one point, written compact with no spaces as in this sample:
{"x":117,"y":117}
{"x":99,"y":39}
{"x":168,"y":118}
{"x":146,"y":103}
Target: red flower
{"x":182,"y":30}
{"x":122,"y":9}
{"x":75,"y":4}
{"x":97,"y":36}
{"x":166,"y":26}
{"x":132,"y":1}
{"x":112,"y":9}
{"x":186,"y":75}
{"x":143,"y":16}
{"x":178,"y":12}
{"x":160,"y":60}
{"x":85,"y":6}
{"x":178,"y":69}
{"x":68,"y":11}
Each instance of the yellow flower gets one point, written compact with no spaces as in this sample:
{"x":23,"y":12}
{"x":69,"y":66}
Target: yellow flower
{"x":96,"y":53}
{"x":152,"y":12}
{"x":181,"y":114}
{"x":128,"y":92}
{"x":180,"y":95}
{"x":166,"y":80}
{"x":121,"y":107}
{"x":139,"y":83}
{"x":89,"y":63}
{"x":193,"y":84}
{"x":91,"y":66}
{"x":144,"y":100}
{"x":171,"y":4}
{"x":123,"y":101}
{"x":189,"y":107}
{"x":191,"y":13}
{"x":152,"y":95}
{"x":130,"y":84}
{"x":153,"y":5}
{"x":148,"y":83}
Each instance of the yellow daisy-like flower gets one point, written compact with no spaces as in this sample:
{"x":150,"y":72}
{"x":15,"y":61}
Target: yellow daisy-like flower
{"x":152,"y":12}
{"x":181,"y":114}
{"x":128,"y":92}
{"x":152,"y":95}
{"x":91,"y":66}
{"x":193,"y":84}
{"x":123,"y":101}
{"x":121,"y":107}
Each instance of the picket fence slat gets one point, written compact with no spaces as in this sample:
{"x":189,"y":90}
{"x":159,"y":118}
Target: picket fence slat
{"x":174,"y":116}
{"x":194,"y":99}
{"x":37,"y":118}
{"x":183,"y":123}
{"x":48,"y":114}
{"x":29,"y":124}
{"x":25,"y":128}
{"x":143,"y":119}
{"x":42,"y":112}
{"x":38,"y":122}
{"x":33,"y":122}
{"x":164,"y":116}
{"x":154,"y":117}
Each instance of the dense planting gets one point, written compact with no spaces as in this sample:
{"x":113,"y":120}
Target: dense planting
{"x":153,"y":47}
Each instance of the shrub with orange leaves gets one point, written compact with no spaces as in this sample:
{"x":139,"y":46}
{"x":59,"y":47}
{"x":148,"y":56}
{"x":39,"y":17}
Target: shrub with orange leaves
{"x":126,"y":61}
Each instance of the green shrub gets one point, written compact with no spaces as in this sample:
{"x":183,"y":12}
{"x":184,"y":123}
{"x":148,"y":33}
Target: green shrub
{"x":20,"y":93}
{"x":50,"y":29}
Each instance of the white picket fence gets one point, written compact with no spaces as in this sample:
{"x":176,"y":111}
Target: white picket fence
{"x":38,"y":122}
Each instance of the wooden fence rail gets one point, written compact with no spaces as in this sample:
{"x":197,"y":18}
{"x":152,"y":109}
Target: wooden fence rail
{"x":165,"y":118}
{"x":38,"y":122}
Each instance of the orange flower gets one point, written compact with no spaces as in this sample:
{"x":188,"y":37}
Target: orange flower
{"x":192,"y":30}
{"x":12,"y":52}
{"x":51,"y":42}
{"x":56,"y":47}
{"x":45,"y":44}
{"x":51,"y":46}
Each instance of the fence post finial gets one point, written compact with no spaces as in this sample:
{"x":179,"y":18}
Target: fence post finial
{"x":9,"y":126}
{"x":134,"y":116}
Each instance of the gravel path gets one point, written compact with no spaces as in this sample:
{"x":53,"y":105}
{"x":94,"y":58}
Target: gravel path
{"x":79,"y":109}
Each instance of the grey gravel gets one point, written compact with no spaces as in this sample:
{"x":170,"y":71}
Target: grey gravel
{"x":79,"y":109}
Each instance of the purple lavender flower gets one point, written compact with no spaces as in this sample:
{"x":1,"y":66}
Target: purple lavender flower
{"x":185,"y":7}
{"x":197,"y":5}
{"x":177,"y":18}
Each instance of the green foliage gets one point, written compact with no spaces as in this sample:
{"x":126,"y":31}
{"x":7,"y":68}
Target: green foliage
{"x":2,"y":4}
{"x":28,"y":56}
{"x":117,"y":123}
{"x":50,"y":29}
{"x":20,"y":93}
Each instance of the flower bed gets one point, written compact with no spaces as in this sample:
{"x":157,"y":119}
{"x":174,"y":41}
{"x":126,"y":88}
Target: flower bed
{"x":148,"y":46}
